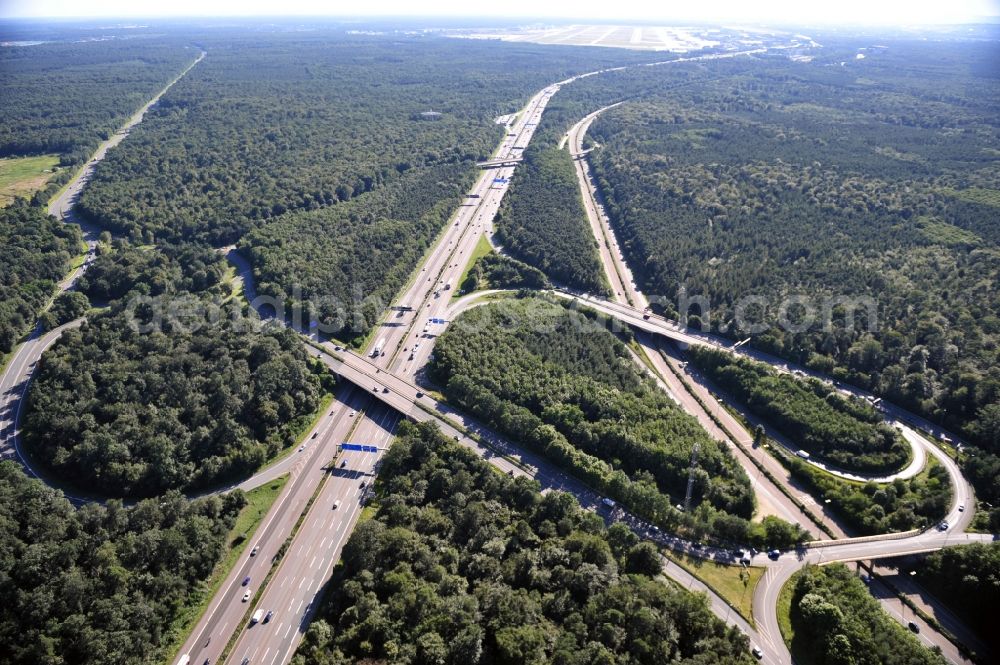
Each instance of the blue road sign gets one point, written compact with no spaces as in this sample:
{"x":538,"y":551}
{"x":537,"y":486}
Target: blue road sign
{"x":359,"y":447}
{"x":500,"y":180}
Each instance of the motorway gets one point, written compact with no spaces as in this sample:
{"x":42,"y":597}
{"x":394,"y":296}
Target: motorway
{"x":624,"y":286}
{"x":369,"y":414}
{"x":392,"y":373}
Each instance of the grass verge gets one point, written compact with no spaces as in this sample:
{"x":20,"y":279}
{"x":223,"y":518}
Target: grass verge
{"x":784,"y":610}
{"x":483,"y":247}
{"x":259,"y":502}
{"x":734,"y":584}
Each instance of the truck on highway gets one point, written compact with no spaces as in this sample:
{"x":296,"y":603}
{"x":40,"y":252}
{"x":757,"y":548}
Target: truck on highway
{"x":257,"y":616}
{"x":377,"y":351}
{"x":803,"y":454}
{"x":185,"y":659}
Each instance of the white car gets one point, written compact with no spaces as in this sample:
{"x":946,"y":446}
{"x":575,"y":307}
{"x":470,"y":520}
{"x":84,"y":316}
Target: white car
{"x":336,"y":504}
{"x":246,"y":596}
{"x":961,"y":508}
{"x":353,"y":413}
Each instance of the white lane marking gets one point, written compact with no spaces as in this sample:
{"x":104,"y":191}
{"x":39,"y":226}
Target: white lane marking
{"x":303,"y":581}
{"x":289,"y":631}
{"x":313,"y":564}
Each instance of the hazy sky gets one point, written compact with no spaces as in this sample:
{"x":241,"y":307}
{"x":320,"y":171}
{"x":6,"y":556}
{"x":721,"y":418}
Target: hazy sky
{"x":898,"y":12}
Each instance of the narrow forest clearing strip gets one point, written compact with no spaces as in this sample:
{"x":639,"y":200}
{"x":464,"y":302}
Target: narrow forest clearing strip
{"x":259,"y":501}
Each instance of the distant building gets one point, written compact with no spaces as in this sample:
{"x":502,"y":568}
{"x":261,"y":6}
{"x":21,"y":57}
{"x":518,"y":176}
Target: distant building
{"x":430,"y":115}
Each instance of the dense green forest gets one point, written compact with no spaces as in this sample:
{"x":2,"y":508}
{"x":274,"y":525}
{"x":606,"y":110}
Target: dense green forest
{"x":838,"y":622}
{"x":124,"y":268}
{"x":35,"y":253}
{"x":542,"y":221}
{"x":99,"y":584}
{"x":559,"y":382}
{"x":313,"y":153}
{"x":67,"y":97}
{"x":967,"y":578}
{"x":463,"y":565}
{"x":269,"y":123}
{"x":497,"y":271}
{"x":867,"y":179}
{"x":345,"y":263}
{"x":844,"y":431}
{"x":124,"y":412}
{"x":871,"y":508}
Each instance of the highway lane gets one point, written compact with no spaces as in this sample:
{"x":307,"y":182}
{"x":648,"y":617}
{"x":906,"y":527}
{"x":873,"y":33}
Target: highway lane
{"x":444,"y":263}
{"x":225,"y":611}
{"x":275,"y":645}
{"x":309,"y":561}
{"x":437,"y":280}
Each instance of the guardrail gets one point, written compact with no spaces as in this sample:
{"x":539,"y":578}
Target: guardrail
{"x":864,"y":539}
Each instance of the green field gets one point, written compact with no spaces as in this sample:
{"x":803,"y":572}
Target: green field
{"x":784,"y":610}
{"x":23,"y":176}
{"x":259,"y":501}
{"x":734,"y":584}
{"x":483,"y":248}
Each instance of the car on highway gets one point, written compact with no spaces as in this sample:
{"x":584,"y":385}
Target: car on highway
{"x":336,"y":504}
{"x":758,"y":654}
{"x":961,"y":507}
{"x":943,"y":526}
{"x":914,"y":627}
{"x":353,"y":413}
{"x":267,"y":617}
{"x":246,"y":596}
{"x":773,"y":555}
{"x":419,"y":394}
{"x":363,"y":484}
{"x":246,"y":580}
{"x":256,"y":548}
{"x":343,"y":464}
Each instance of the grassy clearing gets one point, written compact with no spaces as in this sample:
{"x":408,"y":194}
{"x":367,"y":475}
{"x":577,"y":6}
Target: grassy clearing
{"x":989,"y":197}
{"x":235,"y":283}
{"x":734,"y":584}
{"x":259,"y":502}
{"x":483,"y":248}
{"x":23,"y":176}
{"x":784,"y":610}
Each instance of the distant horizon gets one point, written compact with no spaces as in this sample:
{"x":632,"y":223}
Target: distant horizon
{"x":898,"y":13}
